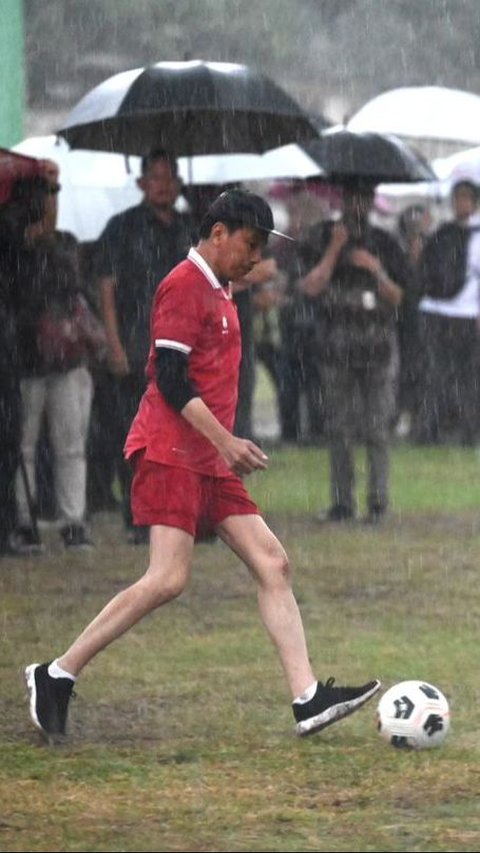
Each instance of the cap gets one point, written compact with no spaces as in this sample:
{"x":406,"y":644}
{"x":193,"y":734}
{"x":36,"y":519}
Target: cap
{"x":245,"y":208}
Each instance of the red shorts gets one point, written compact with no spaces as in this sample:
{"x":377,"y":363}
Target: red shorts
{"x":178,"y":497}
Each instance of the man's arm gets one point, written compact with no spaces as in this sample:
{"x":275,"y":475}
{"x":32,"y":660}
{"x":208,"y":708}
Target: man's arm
{"x":117,"y":358}
{"x":387,"y":288}
{"x":317,"y":280}
{"x":171,"y":367}
{"x":240,"y":454}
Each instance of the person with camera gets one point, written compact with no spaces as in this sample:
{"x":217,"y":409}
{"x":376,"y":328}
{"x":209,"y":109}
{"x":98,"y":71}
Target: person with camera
{"x":22,"y":203}
{"x":55,"y":379}
{"x":357,"y":275}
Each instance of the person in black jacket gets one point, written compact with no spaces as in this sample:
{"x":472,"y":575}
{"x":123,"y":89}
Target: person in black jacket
{"x":137,"y":248}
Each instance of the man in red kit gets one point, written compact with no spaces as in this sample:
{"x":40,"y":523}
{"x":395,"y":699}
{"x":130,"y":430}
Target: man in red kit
{"x":188,"y":468}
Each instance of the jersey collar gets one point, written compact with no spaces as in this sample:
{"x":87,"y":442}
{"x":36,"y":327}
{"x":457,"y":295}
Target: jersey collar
{"x":201,"y":263}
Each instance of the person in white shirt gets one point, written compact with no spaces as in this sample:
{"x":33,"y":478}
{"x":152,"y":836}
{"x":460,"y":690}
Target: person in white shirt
{"x":448,"y":400}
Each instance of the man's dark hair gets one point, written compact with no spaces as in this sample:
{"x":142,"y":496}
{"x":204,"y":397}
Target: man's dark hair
{"x":159,"y":154}
{"x":25,"y":206}
{"x":466,"y":184}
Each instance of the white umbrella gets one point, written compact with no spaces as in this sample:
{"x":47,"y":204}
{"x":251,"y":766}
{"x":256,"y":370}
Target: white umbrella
{"x":422,"y":112}
{"x":465,"y":165}
{"x":288,"y":161}
{"x":95,"y":185}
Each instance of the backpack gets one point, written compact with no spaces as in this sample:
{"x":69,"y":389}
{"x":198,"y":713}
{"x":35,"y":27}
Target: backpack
{"x":69,"y":338}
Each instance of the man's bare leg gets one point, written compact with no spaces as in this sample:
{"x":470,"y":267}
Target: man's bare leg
{"x":256,"y":545}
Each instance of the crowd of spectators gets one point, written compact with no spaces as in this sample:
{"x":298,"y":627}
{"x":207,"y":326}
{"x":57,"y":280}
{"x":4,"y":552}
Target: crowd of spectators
{"x":365,"y":335}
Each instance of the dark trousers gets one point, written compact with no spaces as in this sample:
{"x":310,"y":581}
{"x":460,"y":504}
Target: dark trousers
{"x":115,"y":405}
{"x":359,"y":406}
{"x":447,"y":399}
{"x":10,"y":432}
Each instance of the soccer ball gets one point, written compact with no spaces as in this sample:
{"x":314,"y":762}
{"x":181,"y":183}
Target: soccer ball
{"x":413,"y":714}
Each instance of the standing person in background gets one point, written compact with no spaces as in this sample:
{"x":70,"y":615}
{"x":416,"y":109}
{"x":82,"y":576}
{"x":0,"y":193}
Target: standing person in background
{"x":60,"y":389}
{"x":413,"y":228}
{"x":357,"y":274}
{"x":449,"y":276}
{"x":23,"y":203}
{"x":244,"y":296}
{"x":298,"y":377}
{"x":188,"y":469}
{"x":135,"y":252}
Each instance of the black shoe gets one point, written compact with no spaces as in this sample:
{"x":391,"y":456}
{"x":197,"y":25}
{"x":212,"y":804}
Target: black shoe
{"x":25,"y":540}
{"x":376,"y":514}
{"x":337,"y":512}
{"x":331,"y":704}
{"x":138,"y":536}
{"x":75,"y":538}
{"x":49,"y":698}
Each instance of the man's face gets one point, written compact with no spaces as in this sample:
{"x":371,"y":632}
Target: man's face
{"x":464,"y":201}
{"x":237,"y":251}
{"x":159,"y":185}
{"x":357,"y":204}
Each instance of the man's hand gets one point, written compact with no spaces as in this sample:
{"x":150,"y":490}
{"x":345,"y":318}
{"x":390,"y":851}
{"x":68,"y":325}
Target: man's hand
{"x":242,"y":455}
{"x":365,"y":260}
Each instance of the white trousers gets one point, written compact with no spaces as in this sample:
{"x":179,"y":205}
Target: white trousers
{"x":66,"y":400}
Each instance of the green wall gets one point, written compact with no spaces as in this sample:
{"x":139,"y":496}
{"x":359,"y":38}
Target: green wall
{"x":12,"y":72}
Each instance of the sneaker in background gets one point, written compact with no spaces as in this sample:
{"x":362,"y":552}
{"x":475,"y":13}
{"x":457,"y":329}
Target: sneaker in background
{"x":26,"y":540}
{"x":337,"y":513}
{"x":75,"y":538}
{"x":331,"y":704}
{"x":49,"y":698}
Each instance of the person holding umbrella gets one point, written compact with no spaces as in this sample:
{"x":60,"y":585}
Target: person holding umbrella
{"x":357,"y":274}
{"x":188,"y":469}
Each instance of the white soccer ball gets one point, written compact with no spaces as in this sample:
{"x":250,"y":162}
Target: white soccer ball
{"x":413,"y":714}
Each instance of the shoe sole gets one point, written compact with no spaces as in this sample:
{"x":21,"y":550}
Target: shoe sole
{"x":334,"y":713}
{"x":32,"y":691}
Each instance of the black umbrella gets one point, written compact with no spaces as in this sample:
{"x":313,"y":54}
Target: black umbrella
{"x":373,"y":158}
{"x":192,"y":107}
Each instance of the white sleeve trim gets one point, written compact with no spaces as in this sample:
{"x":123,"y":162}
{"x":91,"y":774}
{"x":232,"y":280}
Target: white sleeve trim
{"x":164,"y":342}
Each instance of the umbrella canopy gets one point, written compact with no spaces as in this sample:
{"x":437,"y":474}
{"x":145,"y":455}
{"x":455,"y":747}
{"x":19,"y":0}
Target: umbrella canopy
{"x":422,"y":112}
{"x":95,"y":185}
{"x":372,"y":157}
{"x":192,"y":107}
{"x":286,"y":162}
{"x":464,"y":165}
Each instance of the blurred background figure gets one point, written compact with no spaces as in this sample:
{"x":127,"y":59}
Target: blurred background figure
{"x":413,"y":228}
{"x":300,"y":402}
{"x":136,"y":250}
{"x":55,"y":381}
{"x":449,"y":281}
{"x":23,"y":202}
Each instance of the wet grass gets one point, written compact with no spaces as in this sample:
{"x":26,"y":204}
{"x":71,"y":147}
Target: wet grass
{"x":181,"y":736}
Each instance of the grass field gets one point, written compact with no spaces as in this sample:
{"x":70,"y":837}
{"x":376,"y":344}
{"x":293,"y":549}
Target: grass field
{"x":181,"y":736}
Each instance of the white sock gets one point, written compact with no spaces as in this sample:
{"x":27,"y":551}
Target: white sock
{"x":56,"y":671}
{"x":307,"y":694}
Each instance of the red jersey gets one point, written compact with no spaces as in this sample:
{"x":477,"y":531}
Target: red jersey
{"x":194,"y":314}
